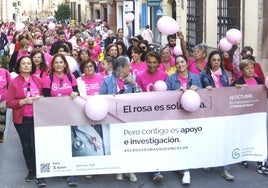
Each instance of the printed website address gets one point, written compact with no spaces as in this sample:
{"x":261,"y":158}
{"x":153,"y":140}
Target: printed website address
{"x":155,"y":149}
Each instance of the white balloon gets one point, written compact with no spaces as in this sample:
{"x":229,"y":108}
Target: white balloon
{"x":13,"y":75}
{"x":160,"y":85}
{"x":96,"y":107}
{"x":190,"y":100}
{"x":177,"y":50}
{"x":72,"y":63}
{"x":129,"y":17}
{"x":167,"y":25}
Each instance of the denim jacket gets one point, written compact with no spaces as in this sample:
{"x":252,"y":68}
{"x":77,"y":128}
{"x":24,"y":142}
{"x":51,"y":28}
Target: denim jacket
{"x":206,"y":79}
{"x":109,"y":86}
{"x":173,"y":82}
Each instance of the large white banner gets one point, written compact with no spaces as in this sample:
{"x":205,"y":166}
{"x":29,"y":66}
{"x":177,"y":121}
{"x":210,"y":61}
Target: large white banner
{"x":229,"y":127}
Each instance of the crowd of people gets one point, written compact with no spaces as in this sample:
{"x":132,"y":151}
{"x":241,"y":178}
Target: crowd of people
{"x":107,"y":63}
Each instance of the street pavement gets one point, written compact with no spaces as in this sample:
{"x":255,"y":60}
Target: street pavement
{"x":13,"y":172}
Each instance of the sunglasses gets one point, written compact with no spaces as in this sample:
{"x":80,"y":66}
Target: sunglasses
{"x":61,"y":82}
{"x":38,"y":46}
{"x":28,"y":87}
{"x":90,"y":44}
{"x":143,"y":47}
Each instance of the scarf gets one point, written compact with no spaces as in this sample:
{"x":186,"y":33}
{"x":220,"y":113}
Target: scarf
{"x":215,"y":78}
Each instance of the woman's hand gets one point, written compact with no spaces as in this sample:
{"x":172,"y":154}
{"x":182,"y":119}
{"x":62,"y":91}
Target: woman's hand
{"x":73,"y":95}
{"x":29,"y":100}
{"x":193,"y":87}
{"x":209,"y":88}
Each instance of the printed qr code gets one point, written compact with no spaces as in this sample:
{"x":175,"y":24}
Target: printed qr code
{"x":44,"y":167}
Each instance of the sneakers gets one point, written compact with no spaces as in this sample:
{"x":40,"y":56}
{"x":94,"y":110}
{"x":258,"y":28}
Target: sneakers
{"x":119,"y":177}
{"x":227,"y":176}
{"x":157,"y":177}
{"x":132,"y":177}
{"x":30,"y":177}
{"x":41,"y":182}
{"x":72,"y":181}
{"x":262,"y":170}
{"x":186,"y":179}
{"x":244,"y":164}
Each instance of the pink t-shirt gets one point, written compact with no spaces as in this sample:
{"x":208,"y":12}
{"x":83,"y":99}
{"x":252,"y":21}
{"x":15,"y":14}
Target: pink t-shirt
{"x":60,"y":86}
{"x":250,"y":81}
{"x":183,"y":81}
{"x":135,"y":68}
{"x":146,"y":80}
{"x":95,"y":52}
{"x":218,"y":84}
{"x":92,"y":84}
{"x":192,"y":66}
{"x":4,"y":80}
{"x":20,"y":54}
{"x":30,"y":90}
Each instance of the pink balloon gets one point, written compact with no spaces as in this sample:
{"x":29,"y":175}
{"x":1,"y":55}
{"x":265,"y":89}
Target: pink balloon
{"x":225,"y":45}
{"x":129,"y":17}
{"x":177,"y":50}
{"x":167,"y":25}
{"x":160,"y":85}
{"x":96,"y":107}
{"x":266,"y":82}
{"x":19,"y":26}
{"x":233,"y":35}
{"x":190,"y":100}
{"x":72,"y":63}
{"x":51,"y":26}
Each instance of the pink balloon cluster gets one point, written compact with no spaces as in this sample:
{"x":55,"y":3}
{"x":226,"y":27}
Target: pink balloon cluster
{"x":167,"y":25}
{"x":96,"y":107}
{"x":160,"y":85}
{"x":190,"y":100}
{"x":233,"y":35}
{"x":129,"y":17}
{"x":225,"y":45}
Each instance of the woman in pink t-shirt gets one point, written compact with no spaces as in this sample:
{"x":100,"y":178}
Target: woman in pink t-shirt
{"x":197,"y":63}
{"x":40,"y":64}
{"x":137,"y":65}
{"x":90,"y":81}
{"x":4,"y":81}
{"x":167,"y":61}
{"x":60,"y":82}
{"x":22,"y":92}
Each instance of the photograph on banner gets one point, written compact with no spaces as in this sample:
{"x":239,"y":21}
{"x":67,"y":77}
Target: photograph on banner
{"x":88,"y":140}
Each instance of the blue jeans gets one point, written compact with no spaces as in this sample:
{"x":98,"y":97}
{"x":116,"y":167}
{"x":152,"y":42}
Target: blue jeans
{"x":26,"y":133}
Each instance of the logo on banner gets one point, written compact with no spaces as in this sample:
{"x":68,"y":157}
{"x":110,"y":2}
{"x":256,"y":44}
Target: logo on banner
{"x":236,"y":153}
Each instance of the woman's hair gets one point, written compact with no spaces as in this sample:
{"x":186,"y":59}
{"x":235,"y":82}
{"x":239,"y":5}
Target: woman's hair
{"x":120,"y":43}
{"x":202,"y":47}
{"x":80,"y":52}
{"x":211,"y":54}
{"x":84,"y":63}
{"x":136,"y":50}
{"x":43,"y":65}
{"x":18,"y":62}
{"x":245,"y":49}
{"x":24,"y":42}
{"x":107,"y":49}
{"x":182,"y":56}
{"x":153,"y":54}
{"x":245,"y":62}
{"x":66,"y":68}
{"x":119,"y":64}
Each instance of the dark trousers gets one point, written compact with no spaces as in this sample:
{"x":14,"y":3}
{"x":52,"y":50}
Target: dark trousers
{"x":26,"y":133}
